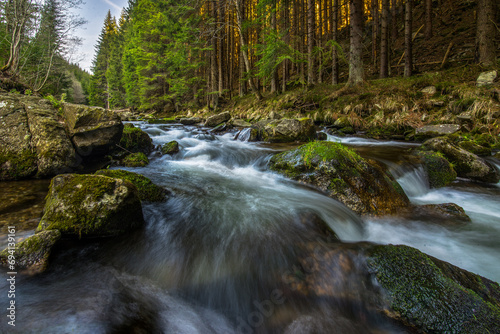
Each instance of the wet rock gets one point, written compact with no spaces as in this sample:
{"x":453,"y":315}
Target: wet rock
{"x":55,"y":152}
{"x":438,"y":169}
{"x":171,"y":147}
{"x":190,"y":120}
{"x":466,"y":164}
{"x":241,"y":123}
{"x":362,"y":186}
{"x":247,"y":135}
{"x":449,"y":214}
{"x":135,"y":140}
{"x":148,"y":191}
{"x":475,"y":148}
{"x":17,"y":156}
{"x":138,"y":159}
{"x":289,"y":130}
{"x":33,"y":252}
{"x":94,"y":131}
{"x":215,"y":120}
{"x":86,"y":206}
{"x":322,"y":135}
{"x":437,"y":130}
{"x":486,"y":78}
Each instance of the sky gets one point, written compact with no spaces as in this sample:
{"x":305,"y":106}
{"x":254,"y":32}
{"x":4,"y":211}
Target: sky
{"x":94,"y":11}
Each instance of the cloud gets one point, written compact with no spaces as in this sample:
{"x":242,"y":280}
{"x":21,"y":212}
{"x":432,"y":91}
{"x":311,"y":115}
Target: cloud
{"x":112,"y":4}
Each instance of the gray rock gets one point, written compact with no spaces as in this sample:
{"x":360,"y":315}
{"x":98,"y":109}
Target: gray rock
{"x":486,"y":78}
{"x":33,"y":252}
{"x":215,"y":120}
{"x":84,"y":206}
{"x":94,"y":131}
{"x":241,"y":123}
{"x":190,"y":120}
{"x":289,"y":130}
{"x":430,"y":90}
{"x":438,"y":130}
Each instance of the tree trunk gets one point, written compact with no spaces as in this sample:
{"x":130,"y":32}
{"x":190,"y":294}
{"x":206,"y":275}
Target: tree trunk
{"x":213,"y":58}
{"x":286,"y":24}
{"x":310,"y":43}
{"x":374,"y":11}
{"x":243,"y":83}
{"x":356,"y":73}
{"x":408,"y":39}
{"x":335,"y":24}
{"x":485,"y":35}
{"x":274,"y":77}
{"x":220,"y":51}
{"x":394,"y":19}
{"x":428,"y":19}
{"x":384,"y":56}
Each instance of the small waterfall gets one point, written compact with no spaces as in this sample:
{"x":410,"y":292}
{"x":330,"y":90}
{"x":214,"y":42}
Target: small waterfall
{"x":243,"y":135}
{"x":413,"y":180}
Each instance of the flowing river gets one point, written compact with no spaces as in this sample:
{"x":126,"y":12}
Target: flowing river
{"x":212,"y":259}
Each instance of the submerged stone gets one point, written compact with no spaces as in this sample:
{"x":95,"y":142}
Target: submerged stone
{"x":91,"y":206}
{"x":362,"y":186}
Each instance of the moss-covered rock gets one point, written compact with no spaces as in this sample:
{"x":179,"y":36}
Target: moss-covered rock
{"x":91,"y":206}
{"x":439,"y":170}
{"x":171,"y":147}
{"x":33,"y":252}
{"x":215,"y":120}
{"x":94,"y":131}
{"x":138,"y":159}
{"x":472,"y":147}
{"x":466,"y":164}
{"x":135,"y":140}
{"x":362,"y":186}
{"x":148,"y":191}
{"x":289,"y":130}
{"x":434,"y":296}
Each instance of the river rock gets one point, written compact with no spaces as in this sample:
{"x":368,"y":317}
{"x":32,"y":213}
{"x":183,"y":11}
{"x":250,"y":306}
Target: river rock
{"x":437,"y":130}
{"x":448,"y":214}
{"x":421,"y":293}
{"x":55,"y":152}
{"x":241,"y":123}
{"x":93,"y":130}
{"x":466,"y":164}
{"x":135,"y":140}
{"x":148,"y":191}
{"x":138,"y":159}
{"x":218,"y":119}
{"x":17,"y":155}
{"x":86,"y":206}
{"x":289,"y":130}
{"x":486,"y":78}
{"x":171,"y":147}
{"x":33,"y":252}
{"x":190,"y":120}
{"x":340,"y":172}
{"x":439,"y":170}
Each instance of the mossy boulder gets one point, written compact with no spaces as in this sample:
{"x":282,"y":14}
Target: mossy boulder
{"x":171,"y":147}
{"x":136,"y":140}
{"x":474,"y":148}
{"x":466,"y":164}
{"x":138,"y":159}
{"x":215,"y":120}
{"x":444,"y":214}
{"x":33,"y":252}
{"x":94,"y":131}
{"x":289,"y":130}
{"x":431,"y":295}
{"x":148,"y":191}
{"x":439,"y":171}
{"x":91,"y":206}
{"x":190,"y":120}
{"x":339,"y":171}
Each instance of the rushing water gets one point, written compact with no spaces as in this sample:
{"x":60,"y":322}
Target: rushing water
{"x":212,"y":258}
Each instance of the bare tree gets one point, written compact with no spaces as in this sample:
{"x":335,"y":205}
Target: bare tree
{"x":310,"y":42}
{"x":485,"y":34}
{"x":428,"y":19}
{"x":408,"y":39}
{"x":384,"y":35}
{"x":356,"y":72}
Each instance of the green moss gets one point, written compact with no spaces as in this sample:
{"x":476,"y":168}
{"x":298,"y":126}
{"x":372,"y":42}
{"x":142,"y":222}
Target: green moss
{"x":138,"y":159}
{"x":20,"y":166}
{"x":426,"y":298}
{"x":135,"y":140}
{"x":439,"y":170}
{"x":148,"y":191}
{"x":170,"y":147}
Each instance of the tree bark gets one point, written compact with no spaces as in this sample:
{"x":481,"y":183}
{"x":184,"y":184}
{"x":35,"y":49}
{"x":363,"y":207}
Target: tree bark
{"x":213,"y":56}
{"x":243,"y":83}
{"x":408,"y":70}
{"x":274,"y":77}
{"x":311,"y":80}
{"x":384,"y":45}
{"x":374,"y":11}
{"x":394,"y":19}
{"x":356,"y":73}
{"x":485,"y":35}
{"x":335,"y":61}
{"x":428,"y":19}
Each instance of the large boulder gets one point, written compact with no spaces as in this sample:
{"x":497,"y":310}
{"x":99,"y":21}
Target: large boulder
{"x":466,"y":164}
{"x":289,"y":130}
{"x":135,"y":140}
{"x":55,"y":152}
{"x":33,"y":252}
{"x":340,"y":172}
{"x":170,"y":148}
{"x":218,"y":119}
{"x":91,"y":206}
{"x":148,"y":191}
{"x":400,"y":283}
{"x":17,"y":155}
{"x":440,"y":171}
{"x":93,"y":130}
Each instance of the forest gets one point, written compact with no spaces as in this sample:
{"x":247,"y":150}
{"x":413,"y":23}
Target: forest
{"x":163,"y":56}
